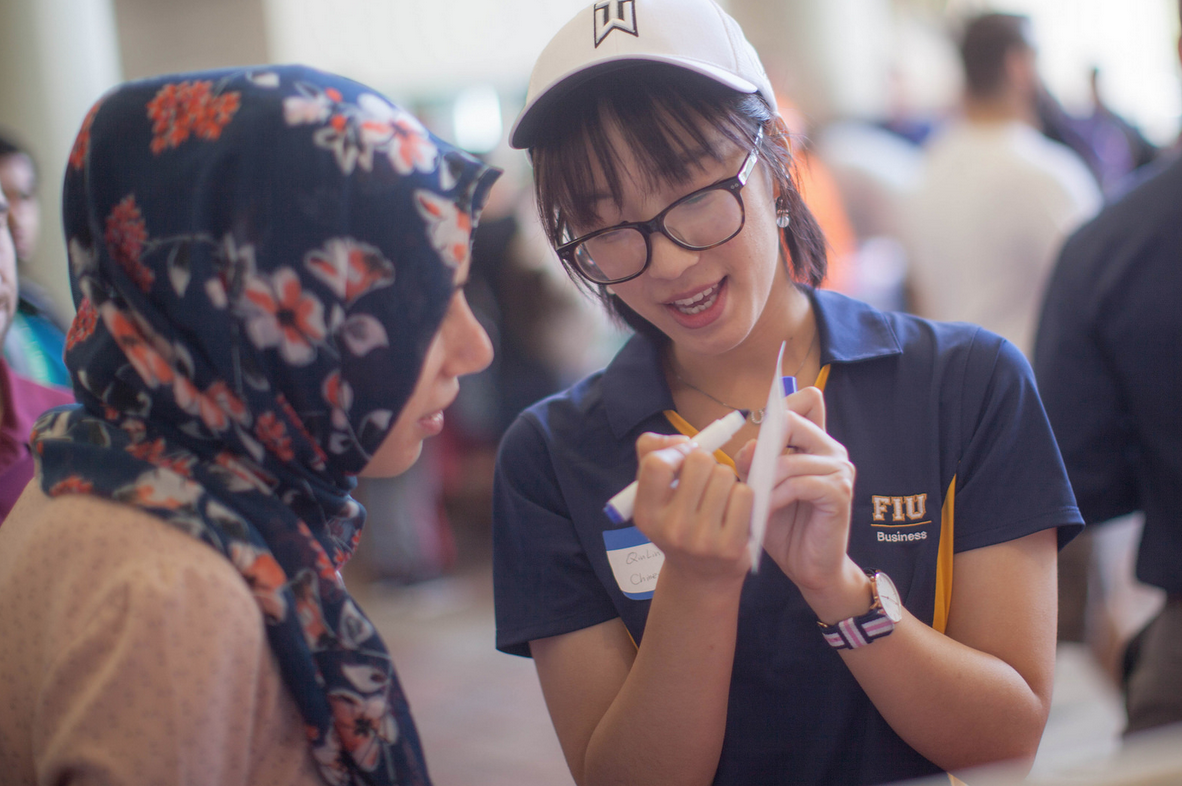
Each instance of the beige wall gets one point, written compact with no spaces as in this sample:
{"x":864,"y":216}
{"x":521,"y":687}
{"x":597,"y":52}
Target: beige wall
{"x":830,"y":57}
{"x":166,"y":36}
{"x":415,"y":48}
{"x":57,"y":57}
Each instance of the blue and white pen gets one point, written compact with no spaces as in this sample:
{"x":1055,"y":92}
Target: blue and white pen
{"x":709,"y":439}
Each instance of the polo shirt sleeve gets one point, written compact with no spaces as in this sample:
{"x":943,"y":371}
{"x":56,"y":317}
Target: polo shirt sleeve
{"x":543,"y":582}
{"x":1010,"y":480}
{"x":1094,"y":427}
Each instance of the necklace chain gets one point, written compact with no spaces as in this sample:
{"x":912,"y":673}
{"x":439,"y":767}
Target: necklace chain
{"x":756,"y":415}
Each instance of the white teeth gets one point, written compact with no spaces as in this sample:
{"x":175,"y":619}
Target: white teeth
{"x":689,"y":301}
{"x":699,"y":302}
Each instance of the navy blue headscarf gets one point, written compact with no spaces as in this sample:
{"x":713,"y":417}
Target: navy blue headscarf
{"x":260,"y":259}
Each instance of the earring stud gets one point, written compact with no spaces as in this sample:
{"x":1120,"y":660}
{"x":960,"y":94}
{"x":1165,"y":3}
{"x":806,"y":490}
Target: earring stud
{"x":783,"y":217}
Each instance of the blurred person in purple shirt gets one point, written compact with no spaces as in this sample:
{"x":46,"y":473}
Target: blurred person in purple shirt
{"x":33,"y":346}
{"x":21,"y":400}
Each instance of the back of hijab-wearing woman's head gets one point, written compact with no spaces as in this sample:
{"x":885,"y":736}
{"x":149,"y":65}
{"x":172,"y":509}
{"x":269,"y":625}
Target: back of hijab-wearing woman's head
{"x":260,"y":260}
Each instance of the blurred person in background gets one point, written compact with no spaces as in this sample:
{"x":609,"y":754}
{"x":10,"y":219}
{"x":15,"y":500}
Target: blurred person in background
{"x":1109,"y":365}
{"x":268,"y":265}
{"x":1111,"y":146}
{"x":996,"y":197}
{"x":35,"y":342}
{"x":531,"y":306}
{"x":875,"y":171}
{"x":994,"y":203}
{"x":821,"y":194}
{"x":21,"y":400}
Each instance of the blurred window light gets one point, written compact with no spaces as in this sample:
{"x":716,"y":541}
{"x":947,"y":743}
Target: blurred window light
{"x":476,"y":118}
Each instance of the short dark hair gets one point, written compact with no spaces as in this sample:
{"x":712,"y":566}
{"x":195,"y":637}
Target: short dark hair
{"x":986,"y":42}
{"x":664,"y":114}
{"x":9,"y":146}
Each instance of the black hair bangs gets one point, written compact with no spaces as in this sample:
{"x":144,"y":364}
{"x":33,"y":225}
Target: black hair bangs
{"x":664,"y":115}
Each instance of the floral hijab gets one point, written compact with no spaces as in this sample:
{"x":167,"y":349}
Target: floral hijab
{"x":260,"y":259}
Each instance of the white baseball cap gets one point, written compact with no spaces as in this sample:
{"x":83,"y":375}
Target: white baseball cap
{"x":695,"y":35}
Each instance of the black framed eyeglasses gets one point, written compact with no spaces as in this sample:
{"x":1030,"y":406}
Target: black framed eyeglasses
{"x":697,"y":221}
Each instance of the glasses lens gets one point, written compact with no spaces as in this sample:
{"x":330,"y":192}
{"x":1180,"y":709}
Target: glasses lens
{"x":612,"y":255}
{"x":706,"y":219}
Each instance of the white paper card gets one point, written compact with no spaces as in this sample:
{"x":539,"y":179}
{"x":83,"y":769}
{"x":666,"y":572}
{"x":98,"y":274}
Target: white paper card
{"x":768,"y":446}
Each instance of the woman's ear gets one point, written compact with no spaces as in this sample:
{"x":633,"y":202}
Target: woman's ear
{"x":780,"y":159}
{"x":782,"y":134}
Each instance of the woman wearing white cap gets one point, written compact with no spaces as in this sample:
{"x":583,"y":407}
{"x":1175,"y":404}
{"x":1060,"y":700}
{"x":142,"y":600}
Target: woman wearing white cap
{"x":664,"y":179}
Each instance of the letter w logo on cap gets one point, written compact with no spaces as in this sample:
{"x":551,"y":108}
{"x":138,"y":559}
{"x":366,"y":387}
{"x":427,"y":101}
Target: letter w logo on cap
{"x":614,"y":15}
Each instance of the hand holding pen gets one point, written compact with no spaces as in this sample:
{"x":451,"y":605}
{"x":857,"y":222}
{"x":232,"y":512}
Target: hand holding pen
{"x":709,"y":439}
{"x":695,"y":510}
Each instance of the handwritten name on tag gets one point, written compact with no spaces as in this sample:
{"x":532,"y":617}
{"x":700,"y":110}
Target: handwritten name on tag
{"x":636,"y":562}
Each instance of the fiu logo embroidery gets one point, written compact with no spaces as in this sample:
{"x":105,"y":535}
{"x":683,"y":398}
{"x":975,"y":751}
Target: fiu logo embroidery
{"x":614,"y":15}
{"x":903,"y":512}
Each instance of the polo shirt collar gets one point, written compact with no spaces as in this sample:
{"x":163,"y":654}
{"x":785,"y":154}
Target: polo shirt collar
{"x":851,"y":330}
{"x":634,"y":387}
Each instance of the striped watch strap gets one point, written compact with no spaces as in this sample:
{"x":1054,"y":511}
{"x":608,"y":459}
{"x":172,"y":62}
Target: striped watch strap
{"x":857,"y":632}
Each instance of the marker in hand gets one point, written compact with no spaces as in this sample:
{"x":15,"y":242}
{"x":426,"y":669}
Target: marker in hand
{"x":709,"y":439}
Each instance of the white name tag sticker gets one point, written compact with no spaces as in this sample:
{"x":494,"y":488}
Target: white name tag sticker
{"x":636,"y":562}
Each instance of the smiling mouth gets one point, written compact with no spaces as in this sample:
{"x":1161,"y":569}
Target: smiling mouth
{"x":699,"y":302}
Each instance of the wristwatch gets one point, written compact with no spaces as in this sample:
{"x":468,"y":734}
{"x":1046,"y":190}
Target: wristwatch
{"x":884,"y":612}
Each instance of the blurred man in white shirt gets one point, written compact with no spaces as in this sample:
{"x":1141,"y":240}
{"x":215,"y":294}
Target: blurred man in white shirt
{"x":997,"y":198}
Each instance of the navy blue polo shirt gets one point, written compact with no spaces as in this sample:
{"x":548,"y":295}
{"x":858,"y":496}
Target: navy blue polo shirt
{"x":953,"y":452}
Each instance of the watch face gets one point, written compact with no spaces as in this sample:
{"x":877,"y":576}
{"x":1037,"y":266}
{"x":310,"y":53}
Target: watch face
{"x":888,"y":595}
